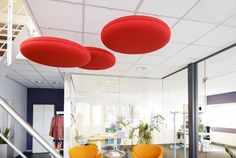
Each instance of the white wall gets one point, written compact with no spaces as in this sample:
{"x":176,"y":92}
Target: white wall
{"x":223,"y":138}
{"x":223,"y":116}
{"x":17,"y":93}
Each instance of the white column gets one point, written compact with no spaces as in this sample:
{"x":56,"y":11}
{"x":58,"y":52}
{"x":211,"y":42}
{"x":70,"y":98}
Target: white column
{"x":67,"y":114}
{"x":9,"y":32}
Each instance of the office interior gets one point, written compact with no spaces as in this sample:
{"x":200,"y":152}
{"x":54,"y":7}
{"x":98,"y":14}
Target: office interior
{"x":106,"y":109}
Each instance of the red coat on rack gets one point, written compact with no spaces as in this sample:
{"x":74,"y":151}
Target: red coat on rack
{"x":57,"y":127}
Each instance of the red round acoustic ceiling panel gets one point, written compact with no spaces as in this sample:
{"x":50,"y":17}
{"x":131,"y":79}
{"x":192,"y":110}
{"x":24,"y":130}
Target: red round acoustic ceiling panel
{"x":135,"y":34}
{"x":55,"y":52}
{"x":100,"y":59}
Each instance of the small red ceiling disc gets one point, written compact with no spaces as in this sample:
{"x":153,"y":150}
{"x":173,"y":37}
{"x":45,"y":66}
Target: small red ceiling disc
{"x":100,"y":59}
{"x":135,"y":34}
{"x":55,"y":52}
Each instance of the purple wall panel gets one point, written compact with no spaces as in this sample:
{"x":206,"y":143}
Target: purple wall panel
{"x":222,"y":98}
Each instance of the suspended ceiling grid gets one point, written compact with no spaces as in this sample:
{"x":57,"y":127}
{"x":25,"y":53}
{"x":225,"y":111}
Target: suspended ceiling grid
{"x":199,"y":28}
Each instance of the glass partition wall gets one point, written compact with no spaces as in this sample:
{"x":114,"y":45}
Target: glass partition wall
{"x":175,"y":109}
{"x":100,"y":102}
{"x":217,"y":100}
{"x":110,"y":111}
{"x":104,"y":110}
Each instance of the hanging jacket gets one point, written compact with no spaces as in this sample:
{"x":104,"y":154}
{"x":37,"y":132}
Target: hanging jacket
{"x":57,"y":127}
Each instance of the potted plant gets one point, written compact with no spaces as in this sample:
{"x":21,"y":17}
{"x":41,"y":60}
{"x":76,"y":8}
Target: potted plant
{"x":145,"y":131}
{"x":141,"y":133}
{"x":3,"y":144}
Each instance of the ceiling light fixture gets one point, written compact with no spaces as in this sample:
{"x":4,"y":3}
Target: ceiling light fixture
{"x":56,"y":83}
{"x":107,"y":81}
{"x":39,"y":82}
{"x":141,"y":68}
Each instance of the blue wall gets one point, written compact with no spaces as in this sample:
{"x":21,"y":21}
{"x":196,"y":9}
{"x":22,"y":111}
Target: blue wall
{"x":42,"y":96}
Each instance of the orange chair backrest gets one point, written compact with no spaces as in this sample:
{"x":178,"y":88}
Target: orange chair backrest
{"x":147,"y":150}
{"x":84,"y":152}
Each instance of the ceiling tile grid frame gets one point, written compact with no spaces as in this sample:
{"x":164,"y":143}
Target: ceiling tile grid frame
{"x":180,"y":16}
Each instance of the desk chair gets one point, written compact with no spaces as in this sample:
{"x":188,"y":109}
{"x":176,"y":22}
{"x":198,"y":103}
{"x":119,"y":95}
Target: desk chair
{"x":90,"y":151}
{"x":147,"y":151}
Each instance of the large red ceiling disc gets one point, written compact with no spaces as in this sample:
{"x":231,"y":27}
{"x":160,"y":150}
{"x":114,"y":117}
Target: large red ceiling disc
{"x":56,"y":52}
{"x":100,"y":59}
{"x":135,"y":34}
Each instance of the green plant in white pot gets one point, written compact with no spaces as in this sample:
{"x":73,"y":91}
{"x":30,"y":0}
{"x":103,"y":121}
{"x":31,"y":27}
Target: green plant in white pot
{"x":3,"y":144}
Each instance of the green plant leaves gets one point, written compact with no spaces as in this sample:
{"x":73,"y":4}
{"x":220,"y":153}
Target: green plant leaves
{"x":227,"y":149}
{"x":6,"y":134}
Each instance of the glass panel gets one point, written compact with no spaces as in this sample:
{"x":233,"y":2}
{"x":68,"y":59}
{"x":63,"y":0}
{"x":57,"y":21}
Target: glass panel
{"x":175,"y":108}
{"x":109,"y":108}
{"x":217,"y":93}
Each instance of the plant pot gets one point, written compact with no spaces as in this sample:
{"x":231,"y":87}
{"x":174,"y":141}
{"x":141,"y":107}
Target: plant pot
{"x":3,"y":150}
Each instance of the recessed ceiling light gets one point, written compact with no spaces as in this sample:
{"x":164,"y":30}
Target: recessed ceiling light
{"x":107,"y":81}
{"x":56,"y":82}
{"x":141,"y":68}
{"x":39,"y":82}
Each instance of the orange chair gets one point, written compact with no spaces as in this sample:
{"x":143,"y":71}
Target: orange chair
{"x":147,"y":151}
{"x":89,"y":151}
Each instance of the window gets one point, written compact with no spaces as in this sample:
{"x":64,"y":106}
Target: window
{"x":96,"y":115}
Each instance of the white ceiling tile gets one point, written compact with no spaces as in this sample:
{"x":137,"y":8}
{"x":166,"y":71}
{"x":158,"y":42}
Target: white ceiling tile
{"x":223,"y":57}
{"x":134,"y":74}
{"x":188,"y":31}
{"x":196,"y":52}
{"x":15,"y":76}
{"x":179,"y":61}
{"x":170,"y":49}
{"x":73,"y":36}
{"x":114,"y":72}
{"x":24,"y":67}
{"x":121,"y":4}
{"x":231,"y":21}
{"x":19,"y":61}
{"x":219,"y":37}
{"x":27,"y":84}
{"x":51,"y":75}
{"x":93,"y":40}
{"x":120,"y":67}
{"x":170,"y":21}
{"x":175,"y":63}
{"x":97,"y":18}
{"x":212,"y":10}
{"x":98,"y":72}
{"x":57,"y":14}
{"x":73,"y":1}
{"x":55,"y":79}
{"x":31,"y":75}
{"x":152,"y":75}
{"x":70,"y":70}
{"x":43,"y":68}
{"x":152,"y":60}
{"x":167,"y":7}
{"x":127,"y":58}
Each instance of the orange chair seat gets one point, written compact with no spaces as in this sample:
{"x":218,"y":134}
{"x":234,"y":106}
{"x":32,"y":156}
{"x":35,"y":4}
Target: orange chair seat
{"x":147,"y":151}
{"x":90,"y":151}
